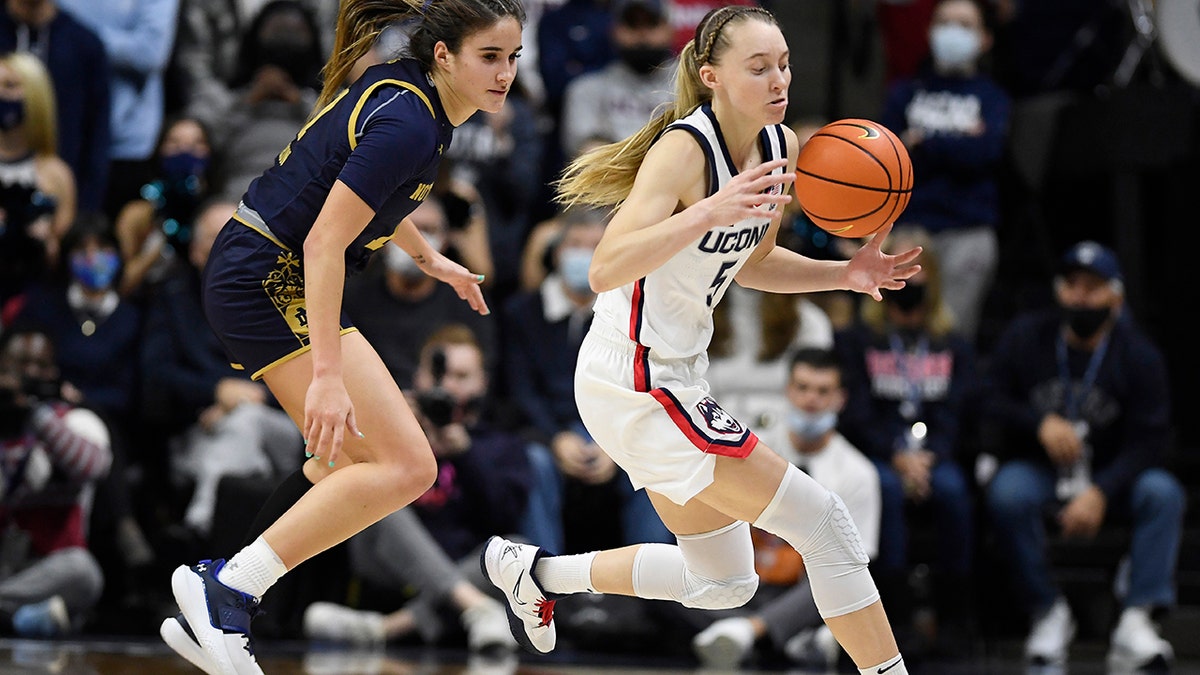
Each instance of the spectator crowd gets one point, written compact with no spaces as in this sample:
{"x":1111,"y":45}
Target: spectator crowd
{"x":130,"y":129}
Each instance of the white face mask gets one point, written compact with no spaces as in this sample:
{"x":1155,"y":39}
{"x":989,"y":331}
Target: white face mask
{"x":400,"y":262}
{"x":810,"y":426}
{"x":954,"y":47}
{"x":573,"y":265}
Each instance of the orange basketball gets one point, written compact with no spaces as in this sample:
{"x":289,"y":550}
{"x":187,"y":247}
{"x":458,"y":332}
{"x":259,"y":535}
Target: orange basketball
{"x":853,"y":177}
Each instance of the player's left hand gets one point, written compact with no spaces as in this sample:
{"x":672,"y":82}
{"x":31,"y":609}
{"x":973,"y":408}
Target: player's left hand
{"x":464,"y":282}
{"x":871,"y":270}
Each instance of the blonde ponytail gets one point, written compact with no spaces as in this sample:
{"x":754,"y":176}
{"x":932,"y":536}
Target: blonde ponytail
{"x":603,"y":176}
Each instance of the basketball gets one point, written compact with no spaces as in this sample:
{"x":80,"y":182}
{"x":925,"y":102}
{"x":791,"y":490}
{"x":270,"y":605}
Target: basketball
{"x":853,"y":177}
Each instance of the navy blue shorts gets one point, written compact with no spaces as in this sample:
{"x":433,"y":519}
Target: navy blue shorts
{"x":254,"y":299}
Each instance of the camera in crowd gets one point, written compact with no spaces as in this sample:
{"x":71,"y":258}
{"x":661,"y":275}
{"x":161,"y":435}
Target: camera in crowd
{"x":437,"y":404}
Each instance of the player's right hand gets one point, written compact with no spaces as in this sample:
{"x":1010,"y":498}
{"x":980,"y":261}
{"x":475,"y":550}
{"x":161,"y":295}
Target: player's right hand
{"x":328,"y":414}
{"x":746,"y":196}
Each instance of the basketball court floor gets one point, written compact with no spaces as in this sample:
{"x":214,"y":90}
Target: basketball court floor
{"x":150,"y":657}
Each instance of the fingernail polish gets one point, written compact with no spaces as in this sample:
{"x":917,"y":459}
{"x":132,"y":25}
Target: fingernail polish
{"x":307,"y":454}
{"x":331,"y":463}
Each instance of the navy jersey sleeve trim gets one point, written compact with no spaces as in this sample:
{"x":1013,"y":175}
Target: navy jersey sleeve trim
{"x":352,"y":126}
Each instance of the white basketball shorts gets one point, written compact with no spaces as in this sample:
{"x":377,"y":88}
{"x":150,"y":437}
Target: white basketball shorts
{"x":653,"y":416}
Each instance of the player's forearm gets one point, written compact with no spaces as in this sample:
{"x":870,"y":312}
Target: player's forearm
{"x":785,"y":271}
{"x":324,"y":274}
{"x":631,"y":256}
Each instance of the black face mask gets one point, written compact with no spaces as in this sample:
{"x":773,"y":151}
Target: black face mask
{"x":644,"y":59}
{"x":908,"y":298}
{"x":12,"y":415}
{"x":41,"y":389}
{"x":1084,"y":322}
{"x":294,"y":58}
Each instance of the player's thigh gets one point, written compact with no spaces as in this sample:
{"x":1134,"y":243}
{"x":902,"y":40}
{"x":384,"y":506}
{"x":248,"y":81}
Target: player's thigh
{"x":741,"y":489}
{"x":390,"y":430}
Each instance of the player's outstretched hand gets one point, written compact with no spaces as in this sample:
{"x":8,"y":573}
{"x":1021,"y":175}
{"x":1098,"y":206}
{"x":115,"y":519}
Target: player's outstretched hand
{"x":871,"y":270}
{"x":465,"y":282}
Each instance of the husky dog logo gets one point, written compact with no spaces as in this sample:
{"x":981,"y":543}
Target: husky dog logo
{"x":717,"y":418}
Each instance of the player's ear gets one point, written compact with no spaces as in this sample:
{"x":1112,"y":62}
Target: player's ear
{"x":441,"y":54}
{"x":708,"y":76}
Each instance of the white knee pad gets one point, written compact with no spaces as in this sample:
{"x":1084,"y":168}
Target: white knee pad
{"x":816,"y":523}
{"x":714,"y":570}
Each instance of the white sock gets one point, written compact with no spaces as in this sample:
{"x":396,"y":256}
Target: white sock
{"x":893,"y":666}
{"x":253,"y":570}
{"x":566,"y":574}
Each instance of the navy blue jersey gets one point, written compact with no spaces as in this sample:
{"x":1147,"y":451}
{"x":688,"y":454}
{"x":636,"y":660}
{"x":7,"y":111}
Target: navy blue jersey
{"x":383,"y":137}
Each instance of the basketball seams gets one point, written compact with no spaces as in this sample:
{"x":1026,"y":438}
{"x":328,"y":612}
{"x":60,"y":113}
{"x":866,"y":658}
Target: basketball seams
{"x":838,"y":182}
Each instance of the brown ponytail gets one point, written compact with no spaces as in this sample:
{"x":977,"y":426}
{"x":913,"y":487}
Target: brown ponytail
{"x":360,"y":22}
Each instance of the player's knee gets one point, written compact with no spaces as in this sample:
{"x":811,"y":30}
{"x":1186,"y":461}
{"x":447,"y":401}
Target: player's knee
{"x":701,"y":593}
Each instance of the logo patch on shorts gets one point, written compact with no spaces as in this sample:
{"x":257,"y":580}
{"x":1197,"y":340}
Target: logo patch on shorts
{"x":717,"y":418}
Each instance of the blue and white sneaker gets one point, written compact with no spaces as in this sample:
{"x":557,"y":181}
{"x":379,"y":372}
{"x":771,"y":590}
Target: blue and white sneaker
{"x":509,"y":566}
{"x":218,"y":616}
{"x":178,"y":635}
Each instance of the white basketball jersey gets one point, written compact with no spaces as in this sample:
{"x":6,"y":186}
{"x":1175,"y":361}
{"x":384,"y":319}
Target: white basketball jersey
{"x":669,"y":310}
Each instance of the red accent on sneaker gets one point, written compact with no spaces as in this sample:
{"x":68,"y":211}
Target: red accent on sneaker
{"x":545,"y":610}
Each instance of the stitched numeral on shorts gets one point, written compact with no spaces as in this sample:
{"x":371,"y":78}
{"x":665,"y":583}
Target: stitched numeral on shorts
{"x":714,"y":289}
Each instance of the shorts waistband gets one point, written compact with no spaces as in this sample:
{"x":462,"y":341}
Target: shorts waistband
{"x":612,"y":337}
{"x":251,"y":219}
{"x":615,"y":338}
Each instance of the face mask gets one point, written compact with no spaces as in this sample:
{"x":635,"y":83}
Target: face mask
{"x":12,"y":113}
{"x":1085,"y":321}
{"x":644,"y":59}
{"x":294,"y":58}
{"x":810,"y":426}
{"x":573,"y":266}
{"x":953,"y":46}
{"x":181,"y":166}
{"x":96,"y":272}
{"x":908,"y":298}
{"x":41,"y":389}
{"x":12,"y":416}
{"x":401,"y":263}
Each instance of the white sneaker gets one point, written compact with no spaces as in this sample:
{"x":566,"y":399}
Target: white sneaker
{"x":1051,"y":636}
{"x":218,"y":616}
{"x":1136,"y":643}
{"x":725,"y":643}
{"x":178,"y":635}
{"x":487,"y":627}
{"x":814,"y":648}
{"x":337,"y":623}
{"x":509,"y":566}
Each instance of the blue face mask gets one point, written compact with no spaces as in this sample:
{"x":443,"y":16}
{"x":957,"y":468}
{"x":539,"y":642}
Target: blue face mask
{"x":12,"y":113}
{"x":95,"y":272}
{"x":177,"y":168}
{"x":810,"y":426}
{"x":954,"y":47}
{"x":573,"y":265}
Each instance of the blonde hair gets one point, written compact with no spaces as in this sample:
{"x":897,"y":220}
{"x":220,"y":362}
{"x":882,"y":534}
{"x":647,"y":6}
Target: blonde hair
{"x":360,"y":23}
{"x":603,"y":176}
{"x":940,"y":320}
{"x":41,"y":125}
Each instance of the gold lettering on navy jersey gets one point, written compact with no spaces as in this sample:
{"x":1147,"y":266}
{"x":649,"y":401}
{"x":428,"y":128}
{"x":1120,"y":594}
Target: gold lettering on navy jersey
{"x":421,"y":192}
{"x":731,"y":242}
